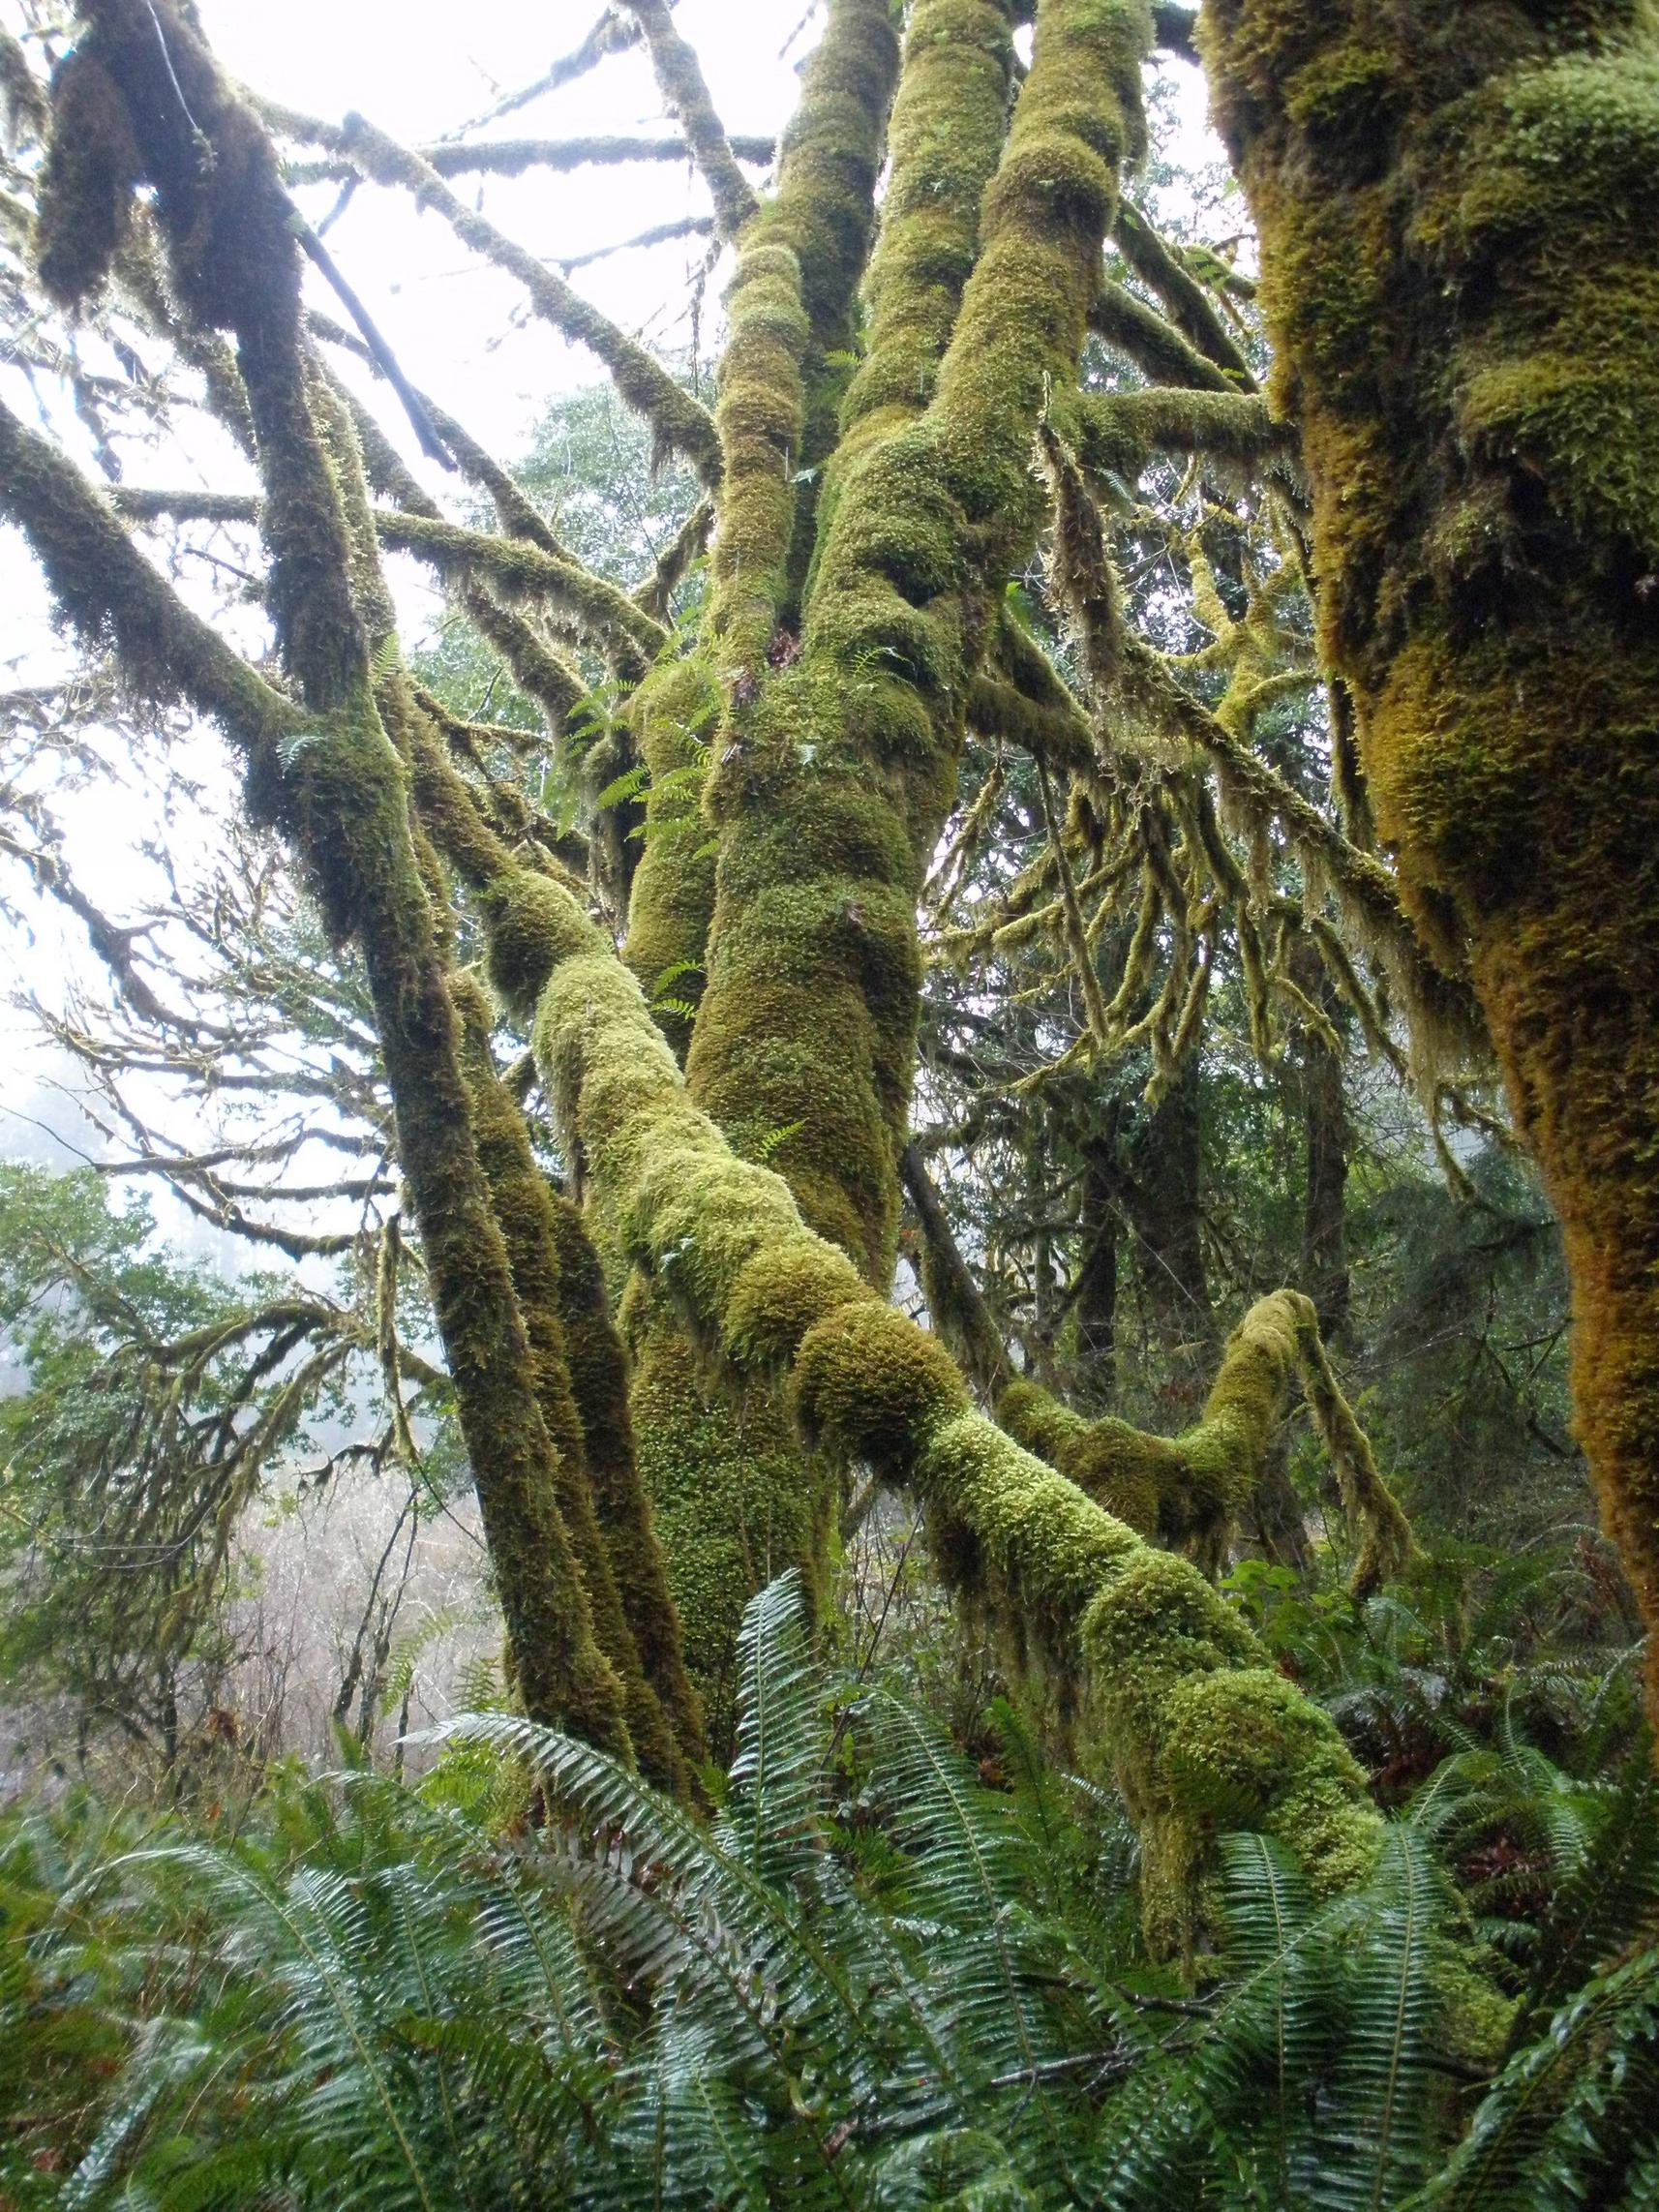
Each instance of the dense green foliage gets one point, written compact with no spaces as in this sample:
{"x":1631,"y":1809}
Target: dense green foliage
{"x":872,"y":1980}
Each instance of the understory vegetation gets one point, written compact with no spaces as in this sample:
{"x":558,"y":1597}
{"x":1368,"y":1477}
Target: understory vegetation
{"x":828,"y":1313}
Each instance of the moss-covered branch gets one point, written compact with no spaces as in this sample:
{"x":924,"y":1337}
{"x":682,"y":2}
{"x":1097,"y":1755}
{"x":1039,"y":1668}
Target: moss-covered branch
{"x":517,"y":565}
{"x":1447,"y":1029}
{"x":520,"y":157}
{"x":1151,"y":343}
{"x":525,"y":1209}
{"x":103,"y":585}
{"x":789,"y":306}
{"x":731,"y":1499}
{"x":1186,"y":1490}
{"x":948,"y":122}
{"x":523,"y":570}
{"x":1117,"y":433}
{"x":1183,"y":1697}
{"x":1186,"y":302}
{"x":956,"y":1310}
{"x":679,"y":80}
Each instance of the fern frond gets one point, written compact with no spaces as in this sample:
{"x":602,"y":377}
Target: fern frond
{"x":771,"y":1820}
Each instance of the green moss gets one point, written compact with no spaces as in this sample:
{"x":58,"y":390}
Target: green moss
{"x":531,"y":929}
{"x":599,"y":1380}
{"x":789,"y":308}
{"x":686,"y":95}
{"x":948,"y":126}
{"x":679,"y":422}
{"x":732,"y":1502}
{"x":572,"y":599}
{"x":339,"y":791}
{"x":870,"y":1388}
{"x":671,"y":717}
{"x":524,"y":1207}
{"x":93,"y":163}
{"x":831,"y":799}
{"x":1117,"y":433}
{"x":736,"y":1300}
{"x":1186,"y":1490}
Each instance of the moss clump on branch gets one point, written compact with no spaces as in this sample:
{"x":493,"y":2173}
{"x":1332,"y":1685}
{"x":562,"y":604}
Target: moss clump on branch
{"x":1456,"y":210}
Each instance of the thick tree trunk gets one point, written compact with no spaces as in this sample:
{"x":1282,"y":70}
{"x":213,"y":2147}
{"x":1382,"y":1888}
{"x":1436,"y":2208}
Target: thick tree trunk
{"x":1458,"y":207}
{"x":1095,"y":1306}
{"x":1325,"y":1136}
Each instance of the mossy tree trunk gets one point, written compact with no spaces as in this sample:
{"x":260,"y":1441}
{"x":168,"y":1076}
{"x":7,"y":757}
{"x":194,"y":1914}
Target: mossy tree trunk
{"x":1162,"y":1199}
{"x":1456,"y":208}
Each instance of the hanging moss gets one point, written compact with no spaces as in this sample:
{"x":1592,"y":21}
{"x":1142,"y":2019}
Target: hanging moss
{"x":93,"y":163}
{"x":1456,"y":210}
